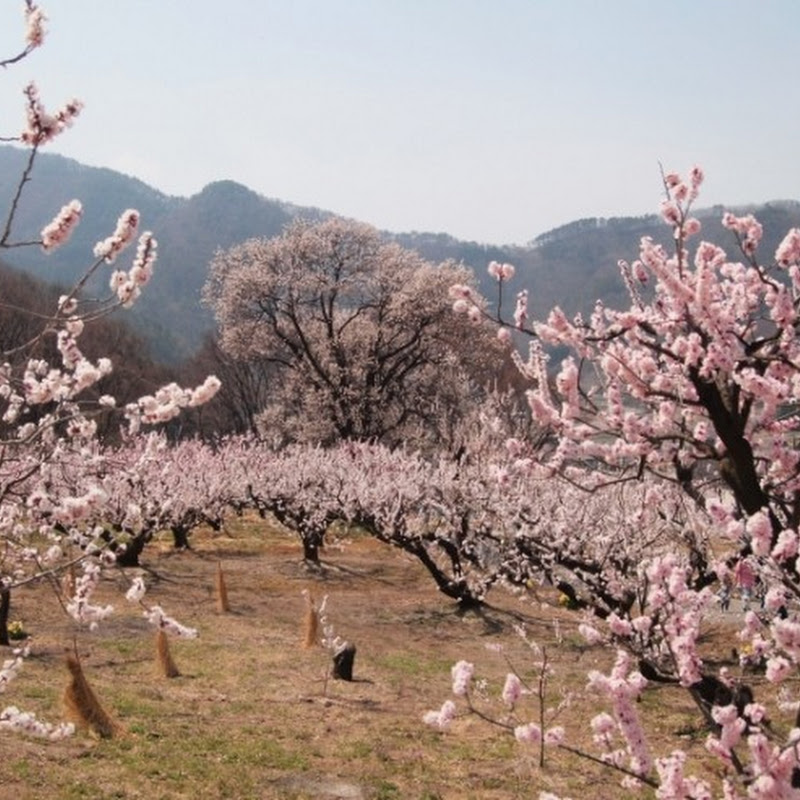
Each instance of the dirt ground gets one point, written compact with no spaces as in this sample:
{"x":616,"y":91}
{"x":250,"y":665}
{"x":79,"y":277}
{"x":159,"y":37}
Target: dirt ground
{"x":256,"y":714}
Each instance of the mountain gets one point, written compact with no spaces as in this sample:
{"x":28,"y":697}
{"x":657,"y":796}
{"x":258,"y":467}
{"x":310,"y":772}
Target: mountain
{"x":188,"y":230}
{"x":576,"y":264}
{"x":570,"y":266}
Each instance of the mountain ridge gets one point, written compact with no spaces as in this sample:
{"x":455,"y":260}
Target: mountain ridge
{"x":571,"y":265}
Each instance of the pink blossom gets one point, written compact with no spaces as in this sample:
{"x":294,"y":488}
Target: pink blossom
{"x":670,"y":212}
{"x":500,"y":272}
{"x":59,"y":230}
{"x":67,"y":304}
{"x":590,"y":634}
{"x":760,"y":530}
{"x":512,"y":689}
{"x":25,"y":722}
{"x":34,"y":22}
{"x":603,"y":724}
{"x":462,"y":675}
{"x":680,"y":192}
{"x":775,"y":598}
{"x":554,"y":736}
{"x":786,"y":633}
{"x":80,"y":606}
{"x":443,"y":717}
{"x":731,"y":725}
{"x":529,"y":733}
{"x":460,"y":291}
{"x":136,"y":591}
{"x":43,"y":127}
{"x":619,"y":626}
{"x":696,"y":176}
{"x":642,"y":624}
{"x":142,"y":269}
{"x":11,"y":667}
{"x":692,"y":226}
{"x":788,"y":251}
{"x":755,"y":712}
{"x":156,"y":616}
{"x":203,"y":393}
{"x":673,"y":784}
{"x":123,"y":235}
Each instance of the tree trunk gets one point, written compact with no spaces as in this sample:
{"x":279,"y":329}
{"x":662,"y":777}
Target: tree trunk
{"x":129,"y":557}
{"x":5,"y":608}
{"x":311,"y":545}
{"x":456,"y":588}
{"x":343,"y":660}
{"x":180,"y":535}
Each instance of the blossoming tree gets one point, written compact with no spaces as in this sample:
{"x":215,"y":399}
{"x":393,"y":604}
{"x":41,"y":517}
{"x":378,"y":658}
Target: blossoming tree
{"x":47,"y":428}
{"x":357,"y":330}
{"x":697,"y":385}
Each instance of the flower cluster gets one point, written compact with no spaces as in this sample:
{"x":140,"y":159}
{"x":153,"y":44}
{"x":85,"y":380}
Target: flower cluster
{"x":168,"y":402}
{"x":80,"y":606}
{"x":501,"y":272}
{"x":127,"y":286}
{"x":34,"y":23}
{"x":156,"y":617}
{"x":60,"y":229}
{"x":43,"y":127}
{"x":25,"y":722}
{"x":112,"y":246}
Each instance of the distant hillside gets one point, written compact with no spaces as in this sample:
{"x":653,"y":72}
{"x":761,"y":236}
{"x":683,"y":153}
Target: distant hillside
{"x":571,"y":266}
{"x":188,"y":230}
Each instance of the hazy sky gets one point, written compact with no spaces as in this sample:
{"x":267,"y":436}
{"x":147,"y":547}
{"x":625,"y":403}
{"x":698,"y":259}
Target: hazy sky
{"x":492,"y":120}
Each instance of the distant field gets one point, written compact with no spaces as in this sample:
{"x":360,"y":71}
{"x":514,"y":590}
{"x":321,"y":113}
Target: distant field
{"x":253,"y":715}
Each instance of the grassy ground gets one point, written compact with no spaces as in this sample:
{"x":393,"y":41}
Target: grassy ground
{"x":254,"y":713}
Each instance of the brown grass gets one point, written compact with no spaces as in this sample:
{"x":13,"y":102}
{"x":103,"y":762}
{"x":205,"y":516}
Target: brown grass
{"x":254,"y":716}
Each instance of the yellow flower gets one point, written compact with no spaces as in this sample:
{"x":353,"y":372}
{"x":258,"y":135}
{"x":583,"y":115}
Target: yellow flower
{"x":16,"y":630}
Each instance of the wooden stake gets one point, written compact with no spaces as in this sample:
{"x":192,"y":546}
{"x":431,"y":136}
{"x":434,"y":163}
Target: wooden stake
{"x":164,"y":661}
{"x":311,"y":622}
{"x":68,"y":582}
{"x":222,"y":592}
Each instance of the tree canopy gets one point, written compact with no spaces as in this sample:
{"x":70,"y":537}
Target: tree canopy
{"x":358,"y":331}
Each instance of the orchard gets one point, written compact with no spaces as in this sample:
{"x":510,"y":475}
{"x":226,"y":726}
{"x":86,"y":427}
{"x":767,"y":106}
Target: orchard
{"x":623,"y":498}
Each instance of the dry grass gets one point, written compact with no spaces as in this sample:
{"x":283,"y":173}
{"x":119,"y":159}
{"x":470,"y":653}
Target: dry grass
{"x":254,"y":714}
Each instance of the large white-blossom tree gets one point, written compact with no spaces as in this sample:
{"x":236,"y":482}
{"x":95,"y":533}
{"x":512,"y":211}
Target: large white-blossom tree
{"x":357,"y":329}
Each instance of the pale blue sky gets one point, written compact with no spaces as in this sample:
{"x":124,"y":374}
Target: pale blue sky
{"x":492,"y":120}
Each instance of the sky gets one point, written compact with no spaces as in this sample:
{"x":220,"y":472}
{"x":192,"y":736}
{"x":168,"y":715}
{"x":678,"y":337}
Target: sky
{"x":490,"y":120}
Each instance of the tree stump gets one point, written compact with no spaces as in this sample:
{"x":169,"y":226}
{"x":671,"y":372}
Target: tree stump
{"x":343,"y":660}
